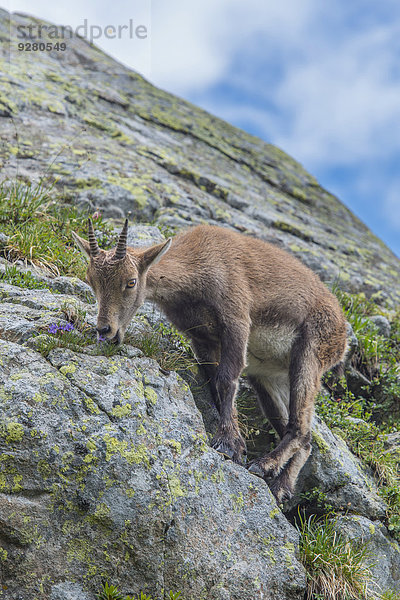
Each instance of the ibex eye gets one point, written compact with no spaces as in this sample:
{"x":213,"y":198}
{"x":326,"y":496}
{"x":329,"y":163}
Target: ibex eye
{"x":131,"y":283}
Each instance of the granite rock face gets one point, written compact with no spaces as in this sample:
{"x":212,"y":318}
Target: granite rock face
{"x":105,"y":474}
{"x":334,"y":473}
{"x":114,"y":142}
{"x":384,"y":552}
{"x":105,"y":471}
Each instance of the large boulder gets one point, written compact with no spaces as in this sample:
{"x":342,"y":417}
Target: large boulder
{"x":383,"y":551}
{"x":105,"y":474}
{"x":333,"y":477}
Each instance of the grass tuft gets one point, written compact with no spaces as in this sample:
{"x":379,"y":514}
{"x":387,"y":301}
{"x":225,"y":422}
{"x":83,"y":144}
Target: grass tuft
{"x":110,"y":592}
{"x":336,"y":568}
{"x":38,"y":226}
{"x":167,"y":346}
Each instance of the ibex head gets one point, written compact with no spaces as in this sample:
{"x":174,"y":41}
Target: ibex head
{"x":118,"y":279}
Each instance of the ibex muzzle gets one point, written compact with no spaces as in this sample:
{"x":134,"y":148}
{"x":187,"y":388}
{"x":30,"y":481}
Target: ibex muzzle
{"x":242,"y":302}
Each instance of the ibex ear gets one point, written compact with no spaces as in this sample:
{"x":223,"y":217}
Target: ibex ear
{"x":81,"y":243}
{"x":152,"y":255}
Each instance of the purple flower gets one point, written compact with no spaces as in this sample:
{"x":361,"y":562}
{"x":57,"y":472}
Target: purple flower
{"x":53,"y":328}
{"x":67,"y":327}
{"x":101,"y":338}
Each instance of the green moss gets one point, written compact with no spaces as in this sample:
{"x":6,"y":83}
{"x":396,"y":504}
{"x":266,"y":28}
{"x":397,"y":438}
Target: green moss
{"x":238,"y":502}
{"x":218,"y":476}
{"x":133,"y":455}
{"x":17,"y":487}
{"x":65,"y":369}
{"x":292,"y":229}
{"x":175,"y":487}
{"x":150,"y":394}
{"x":322,"y":445}
{"x":121,"y":410}
{"x":102,"y":513}
{"x":40,"y":397}
{"x":91,"y":405}
{"x":88,"y":183}
{"x":177,"y":446}
{"x":3,"y":554}
{"x":136,"y":189}
{"x":12,"y":432}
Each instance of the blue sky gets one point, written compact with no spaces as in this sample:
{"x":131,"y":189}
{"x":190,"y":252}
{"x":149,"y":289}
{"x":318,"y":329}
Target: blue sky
{"x":319,"y":79}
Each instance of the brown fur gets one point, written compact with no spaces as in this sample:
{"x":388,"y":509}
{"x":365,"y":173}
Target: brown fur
{"x":240,"y":301}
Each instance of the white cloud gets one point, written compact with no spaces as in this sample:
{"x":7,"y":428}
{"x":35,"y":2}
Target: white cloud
{"x":344,"y":105}
{"x":193,"y":43}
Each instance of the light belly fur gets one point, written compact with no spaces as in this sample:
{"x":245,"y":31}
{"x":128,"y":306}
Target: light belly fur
{"x":268,"y":359}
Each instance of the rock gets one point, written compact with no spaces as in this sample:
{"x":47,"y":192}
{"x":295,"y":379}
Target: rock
{"x":392,"y":440}
{"x":169,"y":163}
{"x":68,"y":591}
{"x":334,"y":476}
{"x":384,"y":552}
{"x":109,"y":458}
{"x":64,"y":285}
{"x":356,"y":381}
{"x":352,"y":344}
{"x":106,"y":475}
{"x":143,"y":235}
{"x":73,"y":286}
{"x":382,"y":325}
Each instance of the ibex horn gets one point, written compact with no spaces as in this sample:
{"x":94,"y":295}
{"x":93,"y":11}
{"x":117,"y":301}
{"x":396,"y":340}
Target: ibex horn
{"x":94,"y":247}
{"x":120,"y":251}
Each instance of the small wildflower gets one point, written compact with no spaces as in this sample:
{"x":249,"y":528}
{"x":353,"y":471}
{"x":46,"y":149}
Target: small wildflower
{"x":67,"y":327}
{"x":101,"y":338}
{"x":96,"y":215}
{"x":53,"y":328}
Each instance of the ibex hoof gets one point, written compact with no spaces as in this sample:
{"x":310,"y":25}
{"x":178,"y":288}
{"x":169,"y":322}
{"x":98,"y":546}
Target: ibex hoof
{"x":225,"y":451}
{"x":256,"y":469}
{"x":282,"y":493}
{"x":230,"y":453}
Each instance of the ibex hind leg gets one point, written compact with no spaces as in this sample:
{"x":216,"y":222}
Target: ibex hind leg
{"x":283,"y":486}
{"x":273,"y":395}
{"x":304,"y":378}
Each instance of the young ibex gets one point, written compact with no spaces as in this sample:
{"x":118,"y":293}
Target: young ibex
{"x":243,"y":303}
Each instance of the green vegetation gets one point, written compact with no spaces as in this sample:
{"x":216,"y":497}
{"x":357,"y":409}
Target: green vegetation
{"x":374,"y":410}
{"x":110,"y":592}
{"x":363,"y":415}
{"x":21,"y":279}
{"x":38,"y":225}
{"x":336,"y":569}
{"x":167,"y":346}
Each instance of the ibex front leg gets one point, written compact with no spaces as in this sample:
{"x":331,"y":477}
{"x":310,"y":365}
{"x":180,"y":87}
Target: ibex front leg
{"x":208,"y":356}
{"x":228,"y":440}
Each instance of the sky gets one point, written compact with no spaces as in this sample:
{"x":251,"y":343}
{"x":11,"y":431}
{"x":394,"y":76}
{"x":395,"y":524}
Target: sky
{"x":321,"y":80}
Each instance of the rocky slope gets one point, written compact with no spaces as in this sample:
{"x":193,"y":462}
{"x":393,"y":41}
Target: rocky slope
{"x":105,"y":472}
{"x":106,"y":475}
{"x":113,"y":141}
